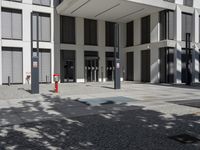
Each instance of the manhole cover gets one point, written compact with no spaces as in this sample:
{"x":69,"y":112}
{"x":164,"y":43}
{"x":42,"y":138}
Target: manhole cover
{"x":185,"y":139}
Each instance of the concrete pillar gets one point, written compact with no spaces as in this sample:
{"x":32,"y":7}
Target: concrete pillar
{"x":137,"y":65}
{"x":154,"y":27}
{"x":137,"y":31}
{"x":195,"y":61}
{"x":27,"y":42}
{"x":102,"y":50}
{"x":195,"y":54}
{"x":196,"y":27}
{"x":178,"y":24}
{"x":80,"y":65}
{"x":177,"y":64}
{"x":154,"y":64}
{"x":79,"y":31}
{"x":178,"y":48}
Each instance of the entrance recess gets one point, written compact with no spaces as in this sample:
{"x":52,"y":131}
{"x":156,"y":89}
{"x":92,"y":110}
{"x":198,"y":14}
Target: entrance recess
{"x":91,"y":66}
{"x":110,"y":66}
{"x":67,"y":66}
{"x":145,"y":71}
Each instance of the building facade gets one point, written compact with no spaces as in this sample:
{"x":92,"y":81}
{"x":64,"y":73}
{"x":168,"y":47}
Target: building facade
{"x":77,"y":40}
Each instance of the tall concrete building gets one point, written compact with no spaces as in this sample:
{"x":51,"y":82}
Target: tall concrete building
{"x":77,"y":40}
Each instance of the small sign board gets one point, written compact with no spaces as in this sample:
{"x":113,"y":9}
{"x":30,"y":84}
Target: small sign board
{"x":35,"y":64}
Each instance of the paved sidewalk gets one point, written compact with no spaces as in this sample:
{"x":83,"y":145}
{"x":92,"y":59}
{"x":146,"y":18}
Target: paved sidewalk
{"x":96,"y":117}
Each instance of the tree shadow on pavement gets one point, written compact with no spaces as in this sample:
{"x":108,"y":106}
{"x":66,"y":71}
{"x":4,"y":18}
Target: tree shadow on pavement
{"x":66,"y":124}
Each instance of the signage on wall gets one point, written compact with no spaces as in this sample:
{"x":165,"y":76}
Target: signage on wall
{"x":35,"y":64}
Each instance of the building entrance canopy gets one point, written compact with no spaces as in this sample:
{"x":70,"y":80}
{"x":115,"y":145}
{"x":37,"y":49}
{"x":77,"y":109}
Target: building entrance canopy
{"x":112,"y":10}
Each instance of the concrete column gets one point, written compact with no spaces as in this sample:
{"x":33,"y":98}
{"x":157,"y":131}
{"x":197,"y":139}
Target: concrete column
{"x":154,"y":64}
{"x":80,"y":65}
{"x":102,"y":65}
{"x":178,"y":48}
{"x":137,"y":65}
{"x":177,"y":64}
{"x":122,"y":44}
{"x":195,"y":56}
{"x":102,"y":50}
{"x":27,"y":41}
{"x":101,"y":33}
{"x":79,"y":31}
{"x":195,"y":61}
{"x":178,"y":24}
{"x":196,"y":3}
{"x":196,"y":27}
{"x":137,"y":31}
{"x":155,"y":27}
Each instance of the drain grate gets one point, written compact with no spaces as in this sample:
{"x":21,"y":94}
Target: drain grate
{"x":185,"y":139}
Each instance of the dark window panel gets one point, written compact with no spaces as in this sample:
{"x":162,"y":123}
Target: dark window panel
{"x":129,"y":34}
{"x":110,"y":29}
{"x":145,"y":30}
{"x":67,"y":31}
{"x":90,"y":32}
{"x":188,"y":3}
{"x":187,"y":22}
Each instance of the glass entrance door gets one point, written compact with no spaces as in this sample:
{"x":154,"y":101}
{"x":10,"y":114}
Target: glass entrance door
{"x":91,"y":70}
{"x":110,"y":70}
{"x":69,"y":71}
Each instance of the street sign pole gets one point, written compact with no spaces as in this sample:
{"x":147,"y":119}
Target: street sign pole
{"x":35,"y":56}
{"x":117,"y":82}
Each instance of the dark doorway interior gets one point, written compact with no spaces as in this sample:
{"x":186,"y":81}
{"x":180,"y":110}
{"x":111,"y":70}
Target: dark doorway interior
{"x":130,"y":66}
{"x":91,"y":66}
{"x":110,"y":66}
{"x":145,"y":66}
{"x":186,"y":75}
{"x":67,"y":66}
{"x":166,"y":56}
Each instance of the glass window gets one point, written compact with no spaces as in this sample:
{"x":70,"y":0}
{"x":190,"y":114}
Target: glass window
{"x":11,"y":24}
{"x":145,"y":30}
{"x":187,"y":22}
{"x":42,"y":2}
{"x":67,"y":29}
{"x":44,"y":27}
{"x":90,"y":32}
{"x":129,"y":33}
{"x":166,"y":19}
{"x":110,"y":29}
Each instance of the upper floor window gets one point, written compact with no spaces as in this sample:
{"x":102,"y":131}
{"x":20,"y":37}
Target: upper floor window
{"x":44,"y":27}
{"x":187,"y":22}
{"x":42,"y":2}
{"x":11,"y":24}
{"x":67,"y":30}
{"x":145,"y":30}
{"x":129,"y":33}
{"x":166,"y":20}
{"x":172,"y":1}
{"x":110,"y":29}
{"x":90,"y":32}
{"x":188,"y":3}
{"x":15,"y":0}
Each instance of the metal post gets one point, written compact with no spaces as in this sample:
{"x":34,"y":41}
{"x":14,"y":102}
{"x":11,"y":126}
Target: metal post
{"x":35,"y":56}
{"x":117,"y":82}
{"x":188,"y":59}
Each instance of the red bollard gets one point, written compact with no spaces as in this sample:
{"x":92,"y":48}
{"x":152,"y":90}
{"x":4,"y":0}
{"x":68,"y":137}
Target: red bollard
{"x":56,"y":87}
{"x":56,"y":80}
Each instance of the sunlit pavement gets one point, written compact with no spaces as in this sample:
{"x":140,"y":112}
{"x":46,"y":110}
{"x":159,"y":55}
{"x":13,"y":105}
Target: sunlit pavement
{"x":97,"y":117}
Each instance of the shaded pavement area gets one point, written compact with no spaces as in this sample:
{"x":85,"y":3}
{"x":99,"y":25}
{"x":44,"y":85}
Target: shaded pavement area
{"x":107,"y":123}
